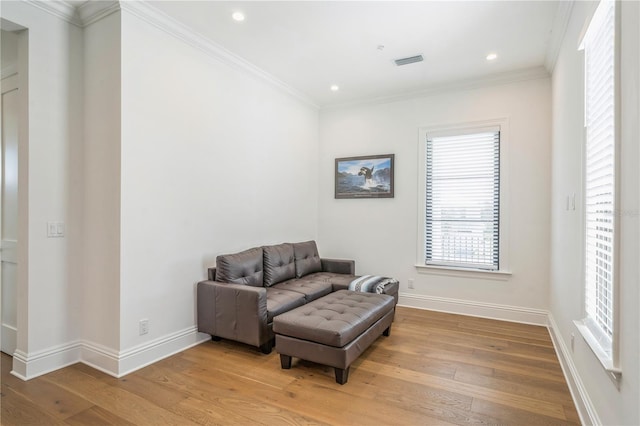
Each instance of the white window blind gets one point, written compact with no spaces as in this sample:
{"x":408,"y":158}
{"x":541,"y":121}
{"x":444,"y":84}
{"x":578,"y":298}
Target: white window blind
{"x":463,"y":200}
{"x":600,"y":172}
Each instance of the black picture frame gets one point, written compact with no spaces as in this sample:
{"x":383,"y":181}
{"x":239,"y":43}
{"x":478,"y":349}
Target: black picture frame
{"x":368,"y":176}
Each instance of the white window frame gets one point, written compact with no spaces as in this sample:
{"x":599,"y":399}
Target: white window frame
{"x":609,"y":356}
{"x":424,"y":132}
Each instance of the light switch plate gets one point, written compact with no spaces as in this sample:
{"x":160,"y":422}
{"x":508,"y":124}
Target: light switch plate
{"x":55,"y":229}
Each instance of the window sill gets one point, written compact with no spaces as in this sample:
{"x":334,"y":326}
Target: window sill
{"x":605,"y":359}
{"x":449,"y":271}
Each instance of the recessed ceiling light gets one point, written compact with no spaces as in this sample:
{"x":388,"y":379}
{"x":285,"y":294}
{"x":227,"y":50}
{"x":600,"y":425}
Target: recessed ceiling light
{"x":238,"y":16}
{"x":491,"y":56}
{"x":334,"y":88}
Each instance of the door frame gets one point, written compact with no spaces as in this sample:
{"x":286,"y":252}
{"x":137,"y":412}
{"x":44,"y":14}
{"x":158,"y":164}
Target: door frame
{"x":8,"y":248}
{"x":22,"y":274}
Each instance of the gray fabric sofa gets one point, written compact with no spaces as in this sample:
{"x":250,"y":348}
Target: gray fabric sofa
{"x":246,"y":290}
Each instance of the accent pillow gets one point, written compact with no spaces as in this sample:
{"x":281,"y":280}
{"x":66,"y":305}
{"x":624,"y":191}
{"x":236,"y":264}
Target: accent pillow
{"x":307,"y":258}
{"x":241,"y":268}
{"x":279,"y":264}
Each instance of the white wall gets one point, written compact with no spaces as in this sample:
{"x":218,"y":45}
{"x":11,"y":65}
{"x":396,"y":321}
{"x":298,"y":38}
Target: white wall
{"x":213,"y":161}
{"x":157,"y":157}
{"x":46,"y":299}
{"x":381,"y":233}
{"x":101,"y":158}
{"x":610,"y":405}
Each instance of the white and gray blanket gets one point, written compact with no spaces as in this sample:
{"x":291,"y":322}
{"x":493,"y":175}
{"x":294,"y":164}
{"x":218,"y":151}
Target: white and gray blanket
{"x":371,"y":283}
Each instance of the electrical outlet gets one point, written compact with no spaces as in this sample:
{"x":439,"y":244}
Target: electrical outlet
{"x":144,"y":326}
{"x":410,"y":282}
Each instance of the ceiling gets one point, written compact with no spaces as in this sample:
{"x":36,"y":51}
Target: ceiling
{"x":311,"y":45}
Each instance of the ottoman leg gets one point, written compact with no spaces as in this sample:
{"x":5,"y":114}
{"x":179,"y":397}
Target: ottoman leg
{"x":387,"y":332}
{"x":342,"y":375}
{"x":216,"y":338}
{"x":285,"y":361}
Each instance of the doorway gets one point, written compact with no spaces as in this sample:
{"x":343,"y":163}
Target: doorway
{"x":9,"y":131}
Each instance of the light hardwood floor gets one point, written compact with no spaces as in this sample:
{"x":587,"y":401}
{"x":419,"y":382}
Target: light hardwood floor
{"x":435,"y":368}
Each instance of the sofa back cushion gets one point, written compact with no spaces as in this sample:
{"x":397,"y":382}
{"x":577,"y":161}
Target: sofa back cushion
{"x":241,"y":268}
{"x":307,"y":258}
{"x":279,"y":264}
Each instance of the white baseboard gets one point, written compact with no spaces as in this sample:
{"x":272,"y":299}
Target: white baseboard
{"x":28,"y":366}
{"x":116,"y":364}
{"x":140,"y":356}
{"x":584,"y":406}
{"x":474,"y":309}
{"x":100,"y":357}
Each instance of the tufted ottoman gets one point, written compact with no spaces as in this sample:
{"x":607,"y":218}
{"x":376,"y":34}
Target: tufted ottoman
{"x":333,"y":330}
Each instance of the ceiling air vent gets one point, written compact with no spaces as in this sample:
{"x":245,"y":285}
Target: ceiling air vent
{"x":410,"y":60}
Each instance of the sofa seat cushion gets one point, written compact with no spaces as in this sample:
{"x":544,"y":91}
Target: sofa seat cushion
{"x":335,"y":319}
{"x":240,"y":268}
{"x":338,"y":281}
{"x":279,"y":263}
{"x":279,"y":301}
{"x":311,"y":289}
{"x":307,"y":259}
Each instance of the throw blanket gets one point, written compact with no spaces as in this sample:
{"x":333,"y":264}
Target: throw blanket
{"x":371,"y":284}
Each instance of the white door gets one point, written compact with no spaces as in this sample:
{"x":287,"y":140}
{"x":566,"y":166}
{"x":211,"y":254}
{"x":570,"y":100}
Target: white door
{"x":9,"y":213}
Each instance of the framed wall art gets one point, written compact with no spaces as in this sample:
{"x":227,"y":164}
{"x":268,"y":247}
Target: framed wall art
{"x":368,"y":176}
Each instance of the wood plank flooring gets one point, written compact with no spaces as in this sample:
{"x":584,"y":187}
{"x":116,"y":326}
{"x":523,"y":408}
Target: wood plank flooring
{"x":435,"y":368}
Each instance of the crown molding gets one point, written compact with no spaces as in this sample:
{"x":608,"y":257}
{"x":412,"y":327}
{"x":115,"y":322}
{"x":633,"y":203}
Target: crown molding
{"x":516,"y":76}
{"x":148,"y":13}
{"x":93,"y":11}
{"x":59,"y":9}
{"x":559,"y":29}
{"x":86,"y":14}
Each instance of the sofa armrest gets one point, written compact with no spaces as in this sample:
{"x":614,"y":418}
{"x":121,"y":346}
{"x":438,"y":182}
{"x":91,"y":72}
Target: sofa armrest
{"x":392,"y":290}
{"x":211,"y":273}
{"x":233,"y":311}
{"x":339,"y":266}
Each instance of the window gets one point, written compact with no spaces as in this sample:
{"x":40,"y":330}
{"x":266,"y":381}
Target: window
{"x":600,"y":158}
{"x":462,"y":198}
